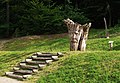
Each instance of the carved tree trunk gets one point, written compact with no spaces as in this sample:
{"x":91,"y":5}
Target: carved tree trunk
{"x":78,"y":35}
{"x":82,"y":44}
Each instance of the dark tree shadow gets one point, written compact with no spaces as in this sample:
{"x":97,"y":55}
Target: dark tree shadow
{"x":116,"y":47}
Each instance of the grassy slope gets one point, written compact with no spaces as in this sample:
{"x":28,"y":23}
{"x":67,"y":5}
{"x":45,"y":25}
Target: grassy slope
{"x":89,"y":67}
{"x":39,"y":43}
{"x":96,"y":65}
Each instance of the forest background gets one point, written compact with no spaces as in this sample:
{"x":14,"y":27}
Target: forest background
{"x":36,"y":17}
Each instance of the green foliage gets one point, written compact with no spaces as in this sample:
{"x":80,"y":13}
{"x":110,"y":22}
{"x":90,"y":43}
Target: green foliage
{"x":39,"y":17}
{"x":75,"y":14}
{"x":34,"y":17}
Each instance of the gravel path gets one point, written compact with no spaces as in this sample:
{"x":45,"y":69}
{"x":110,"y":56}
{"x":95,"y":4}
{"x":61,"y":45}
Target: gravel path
{"x":9,"y":80}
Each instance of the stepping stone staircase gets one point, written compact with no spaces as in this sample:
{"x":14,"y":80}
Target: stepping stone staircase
{"x":32,"y":64}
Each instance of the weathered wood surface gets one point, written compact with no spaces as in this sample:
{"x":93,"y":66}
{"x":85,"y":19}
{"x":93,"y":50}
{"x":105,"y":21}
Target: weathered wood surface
{"x":78,"y":35}
{"x":84,"y":36}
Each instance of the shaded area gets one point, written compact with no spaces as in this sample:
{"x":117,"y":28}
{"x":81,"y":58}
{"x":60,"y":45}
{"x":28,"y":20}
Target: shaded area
{"x":117,"y":48}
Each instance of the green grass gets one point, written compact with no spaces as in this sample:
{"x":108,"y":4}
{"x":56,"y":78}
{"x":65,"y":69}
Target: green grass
{"x":97,"y":64}
{"x":89,"y":67}
{"x":100,"y":33}
{"x":101,"y":44}
{"x":40,"y":44}
{"x":8,"y":59}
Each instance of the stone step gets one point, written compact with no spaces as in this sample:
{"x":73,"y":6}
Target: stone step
{"x":32,"y":64}
{"x":41,"y":66}
{"x":35,"y":62}
{"x":29,"y":61}
{"x":25,"y":66}
{"x":48,"y":54}
{"x":49,"y":61}
{"x":12,"y":75}
{"x":45,"y":58}
{"x":55,"y":58}
{"x":40,"y":58}
{"x":20,"y":77}
{"x":44,"y":54}
{"x":60,"y":54}
{"x":18,"y":68}
{"x":29,"y":67}
{"x":23,"y":71}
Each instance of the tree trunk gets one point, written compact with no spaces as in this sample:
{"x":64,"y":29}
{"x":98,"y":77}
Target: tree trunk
{"x":78,"y":35}
{"x":84,"y":36}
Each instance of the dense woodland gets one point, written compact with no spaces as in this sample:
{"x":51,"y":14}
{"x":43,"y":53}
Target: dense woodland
{"x":35,"y":17}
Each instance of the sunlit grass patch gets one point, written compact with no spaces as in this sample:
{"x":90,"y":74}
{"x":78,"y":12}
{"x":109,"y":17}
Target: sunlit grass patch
{"x":88,"y":67}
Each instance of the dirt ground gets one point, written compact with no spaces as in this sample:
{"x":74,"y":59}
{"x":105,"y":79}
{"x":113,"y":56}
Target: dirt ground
{"x":9,"y":80}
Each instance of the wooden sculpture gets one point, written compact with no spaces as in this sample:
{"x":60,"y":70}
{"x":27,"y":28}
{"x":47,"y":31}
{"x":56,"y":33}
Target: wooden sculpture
{"x":78,"y":35}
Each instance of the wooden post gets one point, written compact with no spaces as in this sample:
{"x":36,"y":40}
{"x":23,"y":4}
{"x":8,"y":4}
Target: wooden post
{"x":78,"y":35}
{"x":106,"y":29}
